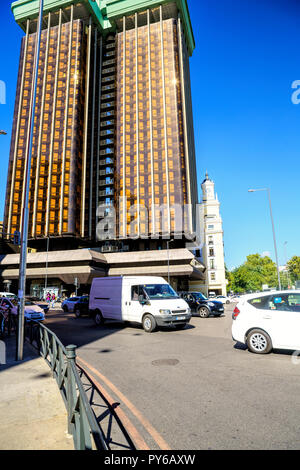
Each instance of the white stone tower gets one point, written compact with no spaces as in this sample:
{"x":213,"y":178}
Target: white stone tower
{"x":212,"y":252}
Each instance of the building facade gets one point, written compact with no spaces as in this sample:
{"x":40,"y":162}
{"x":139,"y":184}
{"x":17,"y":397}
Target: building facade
{"x":113,"y":160}
{"x":211,"y":253}
{"x":113,"y":143}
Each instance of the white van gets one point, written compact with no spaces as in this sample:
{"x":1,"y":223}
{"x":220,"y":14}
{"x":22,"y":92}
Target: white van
{"x":146,"y":300}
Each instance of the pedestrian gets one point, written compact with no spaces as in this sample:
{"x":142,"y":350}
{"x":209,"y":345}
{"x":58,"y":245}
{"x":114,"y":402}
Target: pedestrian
{"x":53,"y":300}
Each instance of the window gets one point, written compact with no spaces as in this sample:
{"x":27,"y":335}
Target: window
{"x":212,"y":276}
{"x":212,"y":264}
{"x":210,"y":227}
{"x":260,"y":302}
{"x":136,"y":291}
{"x":211,"y":252}
{"x":285,"y":302}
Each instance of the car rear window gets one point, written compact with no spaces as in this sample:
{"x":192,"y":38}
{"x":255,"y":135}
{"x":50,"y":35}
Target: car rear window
{"x":260,"y":302}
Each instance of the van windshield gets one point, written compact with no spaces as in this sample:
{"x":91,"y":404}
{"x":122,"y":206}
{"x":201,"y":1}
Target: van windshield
{"x":159,"y":291}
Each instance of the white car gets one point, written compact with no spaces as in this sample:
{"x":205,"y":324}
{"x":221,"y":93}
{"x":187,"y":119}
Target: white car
{"x":268,"y":320}
{"x":31,"y":310}
{"x":9,"y":295}
{"x":223,"y":299}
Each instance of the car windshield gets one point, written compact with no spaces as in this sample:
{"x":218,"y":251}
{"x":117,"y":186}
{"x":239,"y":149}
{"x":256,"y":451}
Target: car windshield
{"x":159,"y":291}
{"x":28,"y":303}
{"x":199,"y":296}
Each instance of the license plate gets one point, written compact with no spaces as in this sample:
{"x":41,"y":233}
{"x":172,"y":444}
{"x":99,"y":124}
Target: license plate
{"x":180,"y":318}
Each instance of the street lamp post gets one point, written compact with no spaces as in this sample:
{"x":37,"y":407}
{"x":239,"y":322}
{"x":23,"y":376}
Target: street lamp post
{"x":24,"y":233}
{"x":168,"y":243}
{"x":273,"y":229}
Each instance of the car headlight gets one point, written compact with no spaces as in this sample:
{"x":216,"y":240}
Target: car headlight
{"x":188,"y":310}
{"x":165,"y":312}
{"x":211,"y":304}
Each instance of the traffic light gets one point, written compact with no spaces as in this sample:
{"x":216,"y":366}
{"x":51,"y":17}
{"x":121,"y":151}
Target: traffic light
{"x":17,"y":238}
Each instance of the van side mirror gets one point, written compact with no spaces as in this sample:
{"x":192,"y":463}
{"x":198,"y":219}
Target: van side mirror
{"x":143,"y":300}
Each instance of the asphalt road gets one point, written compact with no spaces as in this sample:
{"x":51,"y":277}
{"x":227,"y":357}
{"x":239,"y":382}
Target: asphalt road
{"x":191,"y":389}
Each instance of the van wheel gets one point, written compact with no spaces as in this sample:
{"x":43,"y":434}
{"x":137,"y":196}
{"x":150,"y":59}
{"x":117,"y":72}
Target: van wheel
{"x":203,"y":312}
{"x":149,"y":323}
{"x":77,"y":313}
{"x":98,"y":318}
{"x":259,"y":342}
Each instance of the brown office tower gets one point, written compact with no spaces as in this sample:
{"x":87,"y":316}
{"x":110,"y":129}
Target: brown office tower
{"x":113,"y":144}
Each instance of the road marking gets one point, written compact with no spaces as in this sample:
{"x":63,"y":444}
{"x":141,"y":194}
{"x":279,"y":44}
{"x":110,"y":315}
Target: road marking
{"x":145,"y":423}
{"x":130,"y":428}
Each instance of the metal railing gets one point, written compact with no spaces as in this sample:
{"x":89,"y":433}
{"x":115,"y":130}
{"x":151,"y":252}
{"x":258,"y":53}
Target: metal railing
{"x":82,"y":423}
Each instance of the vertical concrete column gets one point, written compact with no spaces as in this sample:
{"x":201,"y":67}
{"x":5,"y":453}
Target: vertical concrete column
{"x":37,"y":178}
{"x":165,"y":118}
{"x":53,"y":125}
{"x":63,"y":164}
{"x":124,"y":129}
{"x":137,"y":124}
{"x":93,"y":134}
{"x":99,"y":128}
{"x":184,"y":111}
{"x":86,"y":116}
{"x":18,"y":128}
{"x":151,"y":125}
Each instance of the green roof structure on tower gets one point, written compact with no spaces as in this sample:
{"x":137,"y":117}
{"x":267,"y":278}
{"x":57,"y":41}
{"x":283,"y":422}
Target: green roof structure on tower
{"x":104,"y":12}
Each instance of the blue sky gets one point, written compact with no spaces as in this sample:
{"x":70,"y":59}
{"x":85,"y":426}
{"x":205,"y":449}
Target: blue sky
{"x":247,"y":130}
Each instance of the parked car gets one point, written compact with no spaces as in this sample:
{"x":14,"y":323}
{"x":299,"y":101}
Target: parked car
{"x":37,"y":301}
{"x":269,"y":320}
{"x":9,"y":295}
{"x":147,"y":300}
{"x":68,"y":304}
{"x":223,"y":298}
{"x":201,"y":305}
{"x":81,"y":307}
{"x":31,"y":311}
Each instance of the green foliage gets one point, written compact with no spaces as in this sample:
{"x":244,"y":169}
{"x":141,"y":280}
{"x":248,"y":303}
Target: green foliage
{"x":293,"y":266}
{"x":255,"y":272}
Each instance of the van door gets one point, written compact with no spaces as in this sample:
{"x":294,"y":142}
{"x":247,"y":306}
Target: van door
{"x":134,"y":309}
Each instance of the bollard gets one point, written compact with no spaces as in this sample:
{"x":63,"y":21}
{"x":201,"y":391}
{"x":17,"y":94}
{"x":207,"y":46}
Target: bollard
{"x":71,"y":356}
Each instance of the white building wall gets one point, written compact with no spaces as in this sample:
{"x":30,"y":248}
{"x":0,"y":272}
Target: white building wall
{"x":212,"y":255}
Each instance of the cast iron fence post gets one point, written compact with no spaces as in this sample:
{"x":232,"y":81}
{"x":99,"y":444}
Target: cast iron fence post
{"x":71,"y":356}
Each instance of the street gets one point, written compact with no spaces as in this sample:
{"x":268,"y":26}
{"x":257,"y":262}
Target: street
{"x":190,"y":389}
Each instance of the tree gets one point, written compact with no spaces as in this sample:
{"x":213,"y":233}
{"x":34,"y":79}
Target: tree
{"x":229,"y":277}
{"x":255,"y":272}
{"x":293,"y":266}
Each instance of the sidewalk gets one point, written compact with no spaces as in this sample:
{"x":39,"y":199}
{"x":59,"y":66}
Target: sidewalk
{"x":32,"y":412}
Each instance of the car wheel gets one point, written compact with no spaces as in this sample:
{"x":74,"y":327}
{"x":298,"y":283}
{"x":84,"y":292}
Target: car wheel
{"x":149,"y":323}
{"x":98,"y":318}
{"x":259,"y":342}
{"x":203,"y":312}
{"x":77,"y":312}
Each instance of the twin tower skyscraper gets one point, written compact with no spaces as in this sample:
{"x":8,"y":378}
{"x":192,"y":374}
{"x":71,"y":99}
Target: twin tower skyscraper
{"x":113,"y":122}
